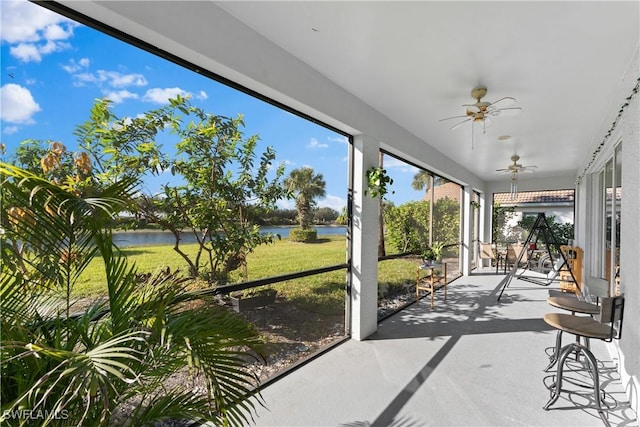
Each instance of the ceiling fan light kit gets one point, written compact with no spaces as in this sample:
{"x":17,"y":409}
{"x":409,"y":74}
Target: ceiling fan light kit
{"x":514,"y":169}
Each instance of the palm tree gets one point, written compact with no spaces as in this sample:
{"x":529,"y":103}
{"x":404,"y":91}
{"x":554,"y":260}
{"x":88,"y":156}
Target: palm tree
{"x":88,"y":368}
{"x":306,"y":186}
{"x":422,"y":180}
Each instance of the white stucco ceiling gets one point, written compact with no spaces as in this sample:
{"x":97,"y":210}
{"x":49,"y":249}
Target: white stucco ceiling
{"x":417,"y":62}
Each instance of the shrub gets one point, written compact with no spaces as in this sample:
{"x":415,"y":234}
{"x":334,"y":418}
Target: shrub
{"x":90,"y":368}
{"x":303,"y":235}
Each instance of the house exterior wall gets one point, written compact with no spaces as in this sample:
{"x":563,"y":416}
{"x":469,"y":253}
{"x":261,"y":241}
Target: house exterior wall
{"x":628,"y":348}
{"x":588,"y":217}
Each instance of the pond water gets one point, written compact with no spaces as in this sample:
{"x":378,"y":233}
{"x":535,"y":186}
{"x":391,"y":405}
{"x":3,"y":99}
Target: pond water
{"x":149,"y":238}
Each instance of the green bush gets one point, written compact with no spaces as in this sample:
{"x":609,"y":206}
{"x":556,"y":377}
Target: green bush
{"x":88,"y":369}
{"x":304,"y":235}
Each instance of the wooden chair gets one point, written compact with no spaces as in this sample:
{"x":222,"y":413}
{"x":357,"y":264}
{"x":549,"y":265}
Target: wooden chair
{"x":513,"y":253}
{"x":486,"y":251}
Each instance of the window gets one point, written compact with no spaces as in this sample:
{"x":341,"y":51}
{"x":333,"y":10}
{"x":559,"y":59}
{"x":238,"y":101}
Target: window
{"x":309,"y":311}
{"x":420,"y":209}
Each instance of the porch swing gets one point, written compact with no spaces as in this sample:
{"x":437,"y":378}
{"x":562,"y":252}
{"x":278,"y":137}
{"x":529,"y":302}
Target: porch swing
{"x":540,"y":229}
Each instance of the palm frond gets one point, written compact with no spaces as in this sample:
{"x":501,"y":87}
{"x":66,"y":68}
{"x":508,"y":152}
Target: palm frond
{"x":173,"y":405}
{"x":218,"y":345}
{"x":85,"y":382}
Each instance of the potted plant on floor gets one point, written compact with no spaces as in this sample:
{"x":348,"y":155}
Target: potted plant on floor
{"x":432,"y":255}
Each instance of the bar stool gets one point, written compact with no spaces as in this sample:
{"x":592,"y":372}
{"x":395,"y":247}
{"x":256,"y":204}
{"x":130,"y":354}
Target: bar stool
{"x":573,"y":305}
{"x":607,"y":328}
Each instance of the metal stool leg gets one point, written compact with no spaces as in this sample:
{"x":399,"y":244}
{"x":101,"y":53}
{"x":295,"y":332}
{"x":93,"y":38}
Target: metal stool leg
{"x":592,"y":363}
{"x":556,"y":352}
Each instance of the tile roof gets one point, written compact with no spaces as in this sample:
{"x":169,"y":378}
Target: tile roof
{"x":537,"y":197}
{"x":449,"y":190}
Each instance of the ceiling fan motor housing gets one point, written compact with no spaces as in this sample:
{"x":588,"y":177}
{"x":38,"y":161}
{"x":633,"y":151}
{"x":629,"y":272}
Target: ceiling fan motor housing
{"x":478,"y":93}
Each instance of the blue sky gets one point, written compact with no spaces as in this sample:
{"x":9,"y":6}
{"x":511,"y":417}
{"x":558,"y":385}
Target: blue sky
{"x":53,"y":69}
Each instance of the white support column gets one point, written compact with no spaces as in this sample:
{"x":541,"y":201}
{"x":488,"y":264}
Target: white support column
{"x":482,"y":212}
{"x":364,"y":270}
{"x":466,"y":230}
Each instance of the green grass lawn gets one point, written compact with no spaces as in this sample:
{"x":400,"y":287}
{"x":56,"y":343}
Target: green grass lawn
{"x":281,"y":257}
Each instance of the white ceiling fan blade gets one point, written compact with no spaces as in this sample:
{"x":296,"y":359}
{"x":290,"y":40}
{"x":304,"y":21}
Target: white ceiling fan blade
{"x":454,"y":117}
{"x":460,"y":124}
{"x":512,"y":111}
{"x":502,"y":102}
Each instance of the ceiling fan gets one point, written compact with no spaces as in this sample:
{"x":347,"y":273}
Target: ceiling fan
{"x":514,"y":169}
{"x":483,"y":111}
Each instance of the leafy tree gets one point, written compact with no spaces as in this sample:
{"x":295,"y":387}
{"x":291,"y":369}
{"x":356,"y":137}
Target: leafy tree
{"x":223,"y":183}
{"x":407,"y":226}
{"x":90,"y":368}
{"x":500,"y":216}
{"x":276,"y":216}
{"x":446,"y":221}
{"x":325,"y":215}
{"x":425,"y":180}
{"x":306,"y":186}
{"x":562,"y":232}
{"x":342,"y":218}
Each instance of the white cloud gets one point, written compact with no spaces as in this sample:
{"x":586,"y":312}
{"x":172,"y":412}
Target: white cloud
{"x":286,"y":204}
{"x":23,"y":21}
{"x":73,"y":66}
{"x":26,"y":52}
{"x":32,"y":30}
{"x":57,"y":32}
{"x":315,"y":144}
{"x":162,"y":96}
{"x":116,"y":79}
{"x":120,"y":96}
{"x":341,"y":139}
{"x":18,"y":106}
{"x":81,"y":78}
{"x":9,"y":130}
{"x":202,"y":95}
{"x":399,"y":165}
{"x":102,"y":78}
{"x":333,"y":202}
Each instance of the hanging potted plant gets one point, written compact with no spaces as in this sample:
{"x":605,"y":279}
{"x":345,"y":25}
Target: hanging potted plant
{"x":377,"y":182}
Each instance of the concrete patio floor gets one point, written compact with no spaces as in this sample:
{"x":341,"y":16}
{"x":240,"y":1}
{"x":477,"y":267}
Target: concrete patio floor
{"x":470,"y":361}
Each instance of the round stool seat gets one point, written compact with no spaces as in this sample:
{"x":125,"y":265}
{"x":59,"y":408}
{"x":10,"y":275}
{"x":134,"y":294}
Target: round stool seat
{"x":574,"y":305}
{"x":577,"y":325}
